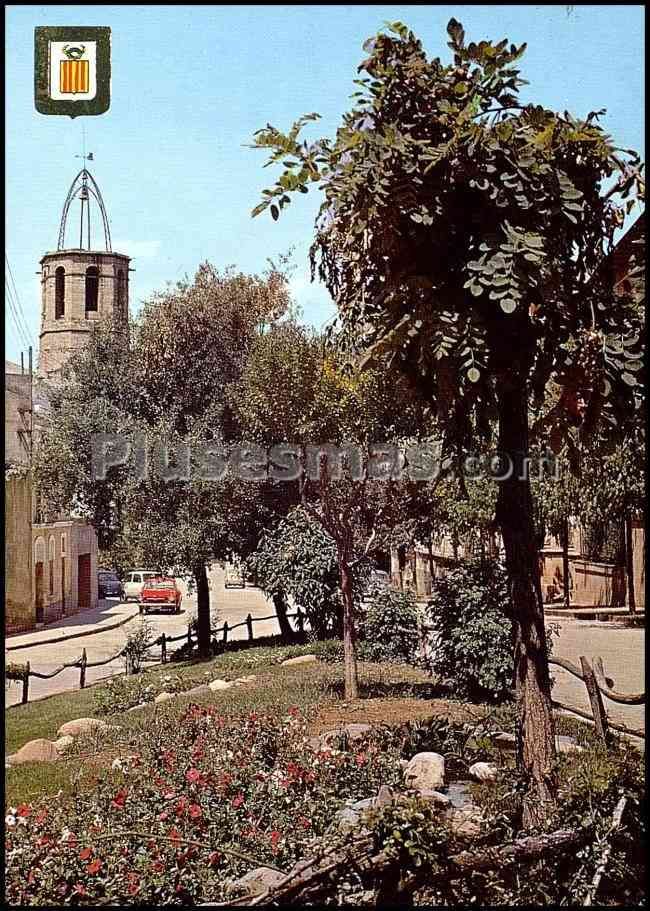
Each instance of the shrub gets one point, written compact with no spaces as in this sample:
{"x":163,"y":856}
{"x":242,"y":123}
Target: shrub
{"x":390,"y":628}
{"x":137,"y":644}
{"x":472,"y":634}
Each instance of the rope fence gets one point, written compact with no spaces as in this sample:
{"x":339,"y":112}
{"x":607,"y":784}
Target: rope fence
{"x":219,"y":636}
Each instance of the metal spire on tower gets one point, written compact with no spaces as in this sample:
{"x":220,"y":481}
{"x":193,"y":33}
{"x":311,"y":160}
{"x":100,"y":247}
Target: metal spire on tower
{"x":83,"y":187}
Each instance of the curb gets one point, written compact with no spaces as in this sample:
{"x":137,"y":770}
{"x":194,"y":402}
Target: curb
{"x":92,"y":632}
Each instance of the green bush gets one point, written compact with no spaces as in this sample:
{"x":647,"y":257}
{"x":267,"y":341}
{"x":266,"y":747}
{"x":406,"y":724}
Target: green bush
{"x":473,"y":647}
{"x":389,"y":628}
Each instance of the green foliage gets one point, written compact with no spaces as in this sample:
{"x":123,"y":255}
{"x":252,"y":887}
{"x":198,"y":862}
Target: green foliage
{"x":459,"y":225}
{"x":469,"y":612}
{"x":297,"y":559}
{"x":138,"y":642}
{"x":389,"y":629}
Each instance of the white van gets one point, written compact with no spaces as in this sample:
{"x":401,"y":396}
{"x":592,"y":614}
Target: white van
{"x":133,"y":581}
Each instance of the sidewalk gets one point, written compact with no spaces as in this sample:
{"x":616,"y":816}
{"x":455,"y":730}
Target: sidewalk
{"x":107,"y":615}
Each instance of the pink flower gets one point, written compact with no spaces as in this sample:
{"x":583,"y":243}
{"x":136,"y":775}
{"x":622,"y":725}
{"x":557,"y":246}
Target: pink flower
{"x":195,"y":811}
{"x":24,"y":810}
{"x":119,"y":799}
{"x":238,"y":800}
{"x":94,"y":867}
{"x":193,"y":776}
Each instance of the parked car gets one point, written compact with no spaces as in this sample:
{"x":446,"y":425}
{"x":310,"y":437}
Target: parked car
{"x":234,"y":577}
{"x":108,"y":584}
{"x":160,"y":592}
{"x":134,"y":580}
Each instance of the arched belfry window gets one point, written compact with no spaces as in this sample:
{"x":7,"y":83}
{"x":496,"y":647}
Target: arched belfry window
{"x":92,"y":289}
{"x":121,"y":292}
{"x":59,"y":293}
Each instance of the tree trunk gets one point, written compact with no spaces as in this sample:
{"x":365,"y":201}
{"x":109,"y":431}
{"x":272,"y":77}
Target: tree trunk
{"x":629,"y":563}
{"x":565,"y":563}
{"x":203,"y":611}
{"x":536,"y":735}
{"x":349,"y":632}
{"x":280,"y":604}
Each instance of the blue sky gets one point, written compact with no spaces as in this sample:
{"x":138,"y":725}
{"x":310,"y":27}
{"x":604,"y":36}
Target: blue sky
{"x":191,"y":84}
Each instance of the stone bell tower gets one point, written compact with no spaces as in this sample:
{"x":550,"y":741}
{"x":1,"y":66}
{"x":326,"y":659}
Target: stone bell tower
{"x":81,"y":286}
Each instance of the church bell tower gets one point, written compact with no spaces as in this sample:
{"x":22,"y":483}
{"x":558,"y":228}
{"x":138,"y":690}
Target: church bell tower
{"x":81,"y":286}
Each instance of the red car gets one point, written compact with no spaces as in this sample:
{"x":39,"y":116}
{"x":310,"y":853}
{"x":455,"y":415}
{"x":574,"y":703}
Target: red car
{"x":160,"y":592}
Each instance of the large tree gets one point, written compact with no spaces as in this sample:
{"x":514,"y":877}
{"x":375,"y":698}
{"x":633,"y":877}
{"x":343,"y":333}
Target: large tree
{"x":460,"y":235}
{"x":168,"y":386}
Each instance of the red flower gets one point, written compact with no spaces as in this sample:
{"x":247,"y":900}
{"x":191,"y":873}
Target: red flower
{"x":94,"y":867}
{"x":193,"y":776}
{"x":85,"y":853}
{"x":294,"y":711}
{"x":134,"y":883}
{"x":158,"y":866}
{"x":361,"y":759}
{"x":24,"y":810}
{"x":174,"y":834}
{"x":275,"y":838}
{"x":213,"y":858}
{"x":238,"y":800}
{"x":195,"y":811}
{"x":304,"y":822}
{"x":79,"y":889}
{"x":41,"y":816}
{"x":180,"y":806}
{"x":119,"y":799}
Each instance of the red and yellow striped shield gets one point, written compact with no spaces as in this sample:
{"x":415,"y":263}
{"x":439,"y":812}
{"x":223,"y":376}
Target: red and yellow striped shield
{"x":75,"y":76}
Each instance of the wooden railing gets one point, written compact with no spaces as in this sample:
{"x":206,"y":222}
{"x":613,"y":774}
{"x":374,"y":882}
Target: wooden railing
{"x":22,"y":672}
{"x":598,"y":685}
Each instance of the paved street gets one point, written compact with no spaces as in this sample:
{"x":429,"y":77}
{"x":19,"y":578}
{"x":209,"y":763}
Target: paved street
{"x":232,"y":605}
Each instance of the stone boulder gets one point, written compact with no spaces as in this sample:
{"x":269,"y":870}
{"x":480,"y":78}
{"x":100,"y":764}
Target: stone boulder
{"x":163,"y":697}
{"x":64,"y":743}
{"x":301,"y":659}
{"x":566,"y":744}
{"x":357,"y":731}
{"x":505,"y":742}
{"x":39,"y":750}
{"x":425,"y":771}
{"x":201,"y":690}
{"x":259,"y":880}
{"x":435,"y":797}
{"x":83,"y":726}
{"x":466,"y":823}
{"x":247,"y":679}
{"x":220,"y":685}
{"x":484,"y":771}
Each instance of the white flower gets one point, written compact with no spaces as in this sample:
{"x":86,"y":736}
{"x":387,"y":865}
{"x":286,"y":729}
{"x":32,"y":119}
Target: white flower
{"x":10,"y":820}
{"x":116,"y":765}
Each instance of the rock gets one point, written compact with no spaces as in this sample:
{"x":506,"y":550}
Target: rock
{"x":83,"y":726}
{"x":366,"y":804}
{"x":357,"y":731}
{"x":301,"y":659}
{"x":163,"y":697}
{"x":440,"y":800}
{"x":506,"y":742}
{"x":64,"y":743}
{"x":220,"y":685}
{"x":484,"y":771}
{"x":39,"y":750}
{"x":136,"y":708}
{"x":403,"y":763}
{"x":259,"y":880}
{"x":466,"y":823}
{"x":384,"y":797}
{"x":425,"y":771}
{"x":347,"y":819}
{"x":201,"y":690}
{"x":460,"y":795}
{"x":248,"y":679}
{"x":566,"y":744}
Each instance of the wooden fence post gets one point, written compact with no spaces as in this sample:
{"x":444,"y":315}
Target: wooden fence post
{"x":300,"y":622}
{"x":163,"y":648}
{"x":225,"y":632}
{"x":26,"y":684}
{"x":189,"y":638}
{"x":82,"y":670}
{"x":249,"y":624}
{"x":596,"y":700}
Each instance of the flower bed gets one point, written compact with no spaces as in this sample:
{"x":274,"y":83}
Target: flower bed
{"x":200,"y":788}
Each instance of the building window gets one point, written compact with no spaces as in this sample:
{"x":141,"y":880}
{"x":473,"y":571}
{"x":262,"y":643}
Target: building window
{"x":121,"y":293}
{"x":63,"y":545}
{"x":59,"y":293}
{"x":92,"y":289}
